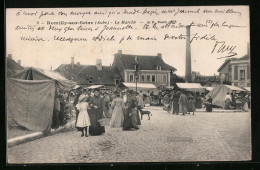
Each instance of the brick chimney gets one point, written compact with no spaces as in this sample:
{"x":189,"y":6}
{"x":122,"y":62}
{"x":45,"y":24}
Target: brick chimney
{"x":99,"y":64}
{"x":188,"y":56}
{"x":119,"y":51}
{"x":78,"y":63}
{"x":51,"y":68}
{"x":159,"y":55}
{"x":10,"y":56}
{"x":72,"y":62}
{"x":19,"y":62}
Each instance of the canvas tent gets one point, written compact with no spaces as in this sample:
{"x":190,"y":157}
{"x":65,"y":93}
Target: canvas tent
{"x":193,"y":87}
{"x":248,"y":89}
{"x":39,"y":74}
{"x":218,"y":94}
{"x":30,"y":97}
{"x":30,"y":103}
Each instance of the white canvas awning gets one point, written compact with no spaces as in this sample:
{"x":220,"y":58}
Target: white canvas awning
{"x":209,"y":88}
{"x":234,"y":88}
{"x":247,"y":88}
{"x":140,"y":85}
{"x":195,"y":87}
{"x":94,"y":86}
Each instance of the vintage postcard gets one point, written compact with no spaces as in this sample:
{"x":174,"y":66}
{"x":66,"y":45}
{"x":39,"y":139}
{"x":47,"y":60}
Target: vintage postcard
{"x":128,"y":84}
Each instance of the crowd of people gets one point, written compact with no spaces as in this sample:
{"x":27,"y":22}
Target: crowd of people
{"x":235,"y":100}
{"x":185,"y":102}
{"x":62,"y":109}
{"x":122,"y":108}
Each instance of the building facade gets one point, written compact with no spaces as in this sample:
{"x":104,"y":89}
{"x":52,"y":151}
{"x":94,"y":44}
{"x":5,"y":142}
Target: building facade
{"x":152,"y":69}
{"x":240,"y":72}
{"x":236,"y":71}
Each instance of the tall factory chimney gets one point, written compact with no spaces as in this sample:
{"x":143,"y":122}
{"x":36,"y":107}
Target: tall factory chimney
{"x":188,"y":56}
{"x":72,"y":62}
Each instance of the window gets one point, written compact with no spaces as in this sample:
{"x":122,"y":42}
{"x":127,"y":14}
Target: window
{"x":159,"y":67}
{"x":148,"y":78}
{"x":235,"y":72}
{"x":117,"y":81}
{"x":164,"y":78}
{"x":131,"y":78}
{"x":142,"y":78}
{"x":90,"y":80}
{"x":153,"y":78}
{"x":242,"y":74}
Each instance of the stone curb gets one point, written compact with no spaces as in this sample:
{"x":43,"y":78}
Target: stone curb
{"x":33,"y":136}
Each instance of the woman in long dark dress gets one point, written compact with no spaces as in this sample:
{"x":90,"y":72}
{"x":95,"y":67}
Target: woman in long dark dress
{"x":175,"y":99}
{"x":130,"y":109}
{"x":95,"y":112}
{"x":191,"y":104}
{"x":209,"y":104}
{"x":183,"y":104}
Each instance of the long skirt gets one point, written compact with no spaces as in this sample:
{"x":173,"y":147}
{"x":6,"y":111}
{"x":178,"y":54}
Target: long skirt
{"x":183,"y":108}
{"x":117,"y":117}
{"x":148,"y":100}
{"x":135,"y":117}
{"x":127,"y":124}
{"x":191,"y":107}
{"x":208,"y":107}
{"x":175,"y":107}
{"x":108,"y":112}
{"x":245,"y":107}
{"x":95,"y":128}
{"x":55,"y":119}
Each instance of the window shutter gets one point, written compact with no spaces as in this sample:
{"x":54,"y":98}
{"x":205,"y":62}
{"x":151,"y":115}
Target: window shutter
{"x":248,"y":72}
{"x":236,"y":73}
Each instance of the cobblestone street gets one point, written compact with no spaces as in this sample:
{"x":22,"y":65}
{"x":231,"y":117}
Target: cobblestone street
{"x":166,"y":137}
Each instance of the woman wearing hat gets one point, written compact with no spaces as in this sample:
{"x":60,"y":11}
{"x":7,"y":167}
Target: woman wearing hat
{"x":183,"y":103}
{"x":131,"y":117}
{"x":83,"y":119}
{"x":209,"y":104}
{"x":117,"y":113}
{"x":96,"y":105}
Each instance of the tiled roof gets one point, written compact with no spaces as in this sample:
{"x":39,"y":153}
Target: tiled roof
{"x":67,"y":71}
{"x":245,"y":57}
{"x":82,"y":73}
{"x":145,"y":62}
{"x":226,"y":62}
{"x":12,"y":67}
{"x":106,"y":76}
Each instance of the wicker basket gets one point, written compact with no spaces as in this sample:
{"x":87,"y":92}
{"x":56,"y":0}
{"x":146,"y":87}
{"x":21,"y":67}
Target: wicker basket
{"x":104,"y":122}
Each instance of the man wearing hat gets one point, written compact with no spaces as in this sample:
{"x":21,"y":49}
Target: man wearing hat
{"x":96,"y":105}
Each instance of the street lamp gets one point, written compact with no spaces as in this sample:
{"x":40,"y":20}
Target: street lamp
{"x":136,"y":73}
{"x":136,"y":79}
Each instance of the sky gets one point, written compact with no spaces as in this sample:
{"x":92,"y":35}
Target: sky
{"x":44,"y":54}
